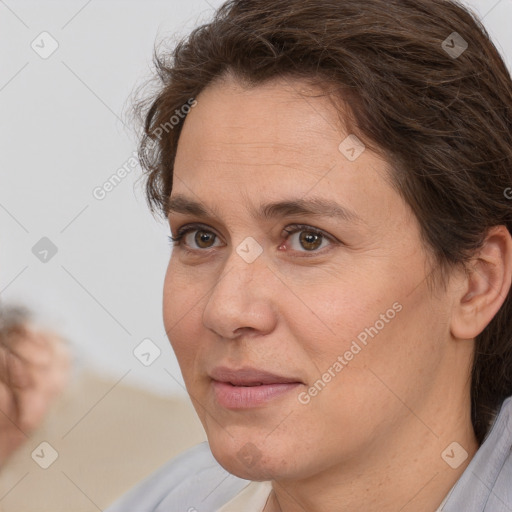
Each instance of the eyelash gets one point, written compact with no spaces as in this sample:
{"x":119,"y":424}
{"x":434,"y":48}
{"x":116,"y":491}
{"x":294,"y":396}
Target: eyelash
{"x":292,"y":229}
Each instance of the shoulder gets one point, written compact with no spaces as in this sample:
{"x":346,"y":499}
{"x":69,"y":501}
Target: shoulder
{"x":485,"y":485}
{"x":192,"y":481}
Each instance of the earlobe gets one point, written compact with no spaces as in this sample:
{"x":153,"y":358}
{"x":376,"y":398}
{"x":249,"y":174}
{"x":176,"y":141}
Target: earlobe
{"x":485,"y":287}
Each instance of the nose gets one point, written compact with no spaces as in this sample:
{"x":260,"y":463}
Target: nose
{"x":242,"y":300}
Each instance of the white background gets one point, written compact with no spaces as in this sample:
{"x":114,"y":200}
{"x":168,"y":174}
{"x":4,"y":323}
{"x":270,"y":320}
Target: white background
{"x":63,"y":133}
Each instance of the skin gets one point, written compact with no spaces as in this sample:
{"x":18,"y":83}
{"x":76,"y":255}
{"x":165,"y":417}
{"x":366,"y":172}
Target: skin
{"x":35,"y":368}
{"x":372,"y":439}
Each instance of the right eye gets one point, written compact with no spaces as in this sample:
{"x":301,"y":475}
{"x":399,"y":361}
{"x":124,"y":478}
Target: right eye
{"x":194,"y":238}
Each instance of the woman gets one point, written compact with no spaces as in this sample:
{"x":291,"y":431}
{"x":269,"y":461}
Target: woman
{"x":335,"y":177}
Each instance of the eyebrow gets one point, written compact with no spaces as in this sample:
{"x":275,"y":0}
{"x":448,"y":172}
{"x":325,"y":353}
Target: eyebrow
{"x":317,"y":207}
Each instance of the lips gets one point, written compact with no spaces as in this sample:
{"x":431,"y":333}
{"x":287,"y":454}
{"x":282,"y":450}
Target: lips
{"x":249,"y":387}
{"x":249,"y":377}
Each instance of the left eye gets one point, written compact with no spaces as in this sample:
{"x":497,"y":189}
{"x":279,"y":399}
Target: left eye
{"x":308,"y":239}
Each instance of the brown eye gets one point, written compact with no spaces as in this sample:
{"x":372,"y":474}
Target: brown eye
{"x":303,"y":239}
{"x":310,"y":241}
{"x":203,"y":239}
{"x":195,"y":238}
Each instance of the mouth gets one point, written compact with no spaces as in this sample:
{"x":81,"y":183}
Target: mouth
{"x":249,"y":387}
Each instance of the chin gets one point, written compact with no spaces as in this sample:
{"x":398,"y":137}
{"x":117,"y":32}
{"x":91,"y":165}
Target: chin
{"x":256,"y":459}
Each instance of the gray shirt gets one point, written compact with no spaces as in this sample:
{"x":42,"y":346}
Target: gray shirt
{"x":195,"y":482}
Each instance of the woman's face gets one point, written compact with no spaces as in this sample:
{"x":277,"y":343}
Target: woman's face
{"x":333,"y":303}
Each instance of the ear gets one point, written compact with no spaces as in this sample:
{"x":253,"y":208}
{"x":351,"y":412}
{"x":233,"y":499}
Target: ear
{"x":485,"y":286}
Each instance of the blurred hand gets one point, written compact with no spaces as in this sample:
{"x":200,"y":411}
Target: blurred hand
{"x":34,"y":369}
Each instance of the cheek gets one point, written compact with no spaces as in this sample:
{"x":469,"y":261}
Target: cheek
{"x":357,"y":328}
{"x":182,"y":316}
{"x":385,"y":349}
{"x":327,"y":316}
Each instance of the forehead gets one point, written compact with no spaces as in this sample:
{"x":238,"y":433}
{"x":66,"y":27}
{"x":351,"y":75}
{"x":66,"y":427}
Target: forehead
{"x":280,"y":124}
{"x":281,"y":119}
{"x":279,"y":139}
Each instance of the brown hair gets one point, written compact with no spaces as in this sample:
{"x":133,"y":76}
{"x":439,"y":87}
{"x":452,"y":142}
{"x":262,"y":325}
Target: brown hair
{"x":442,"y":120}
